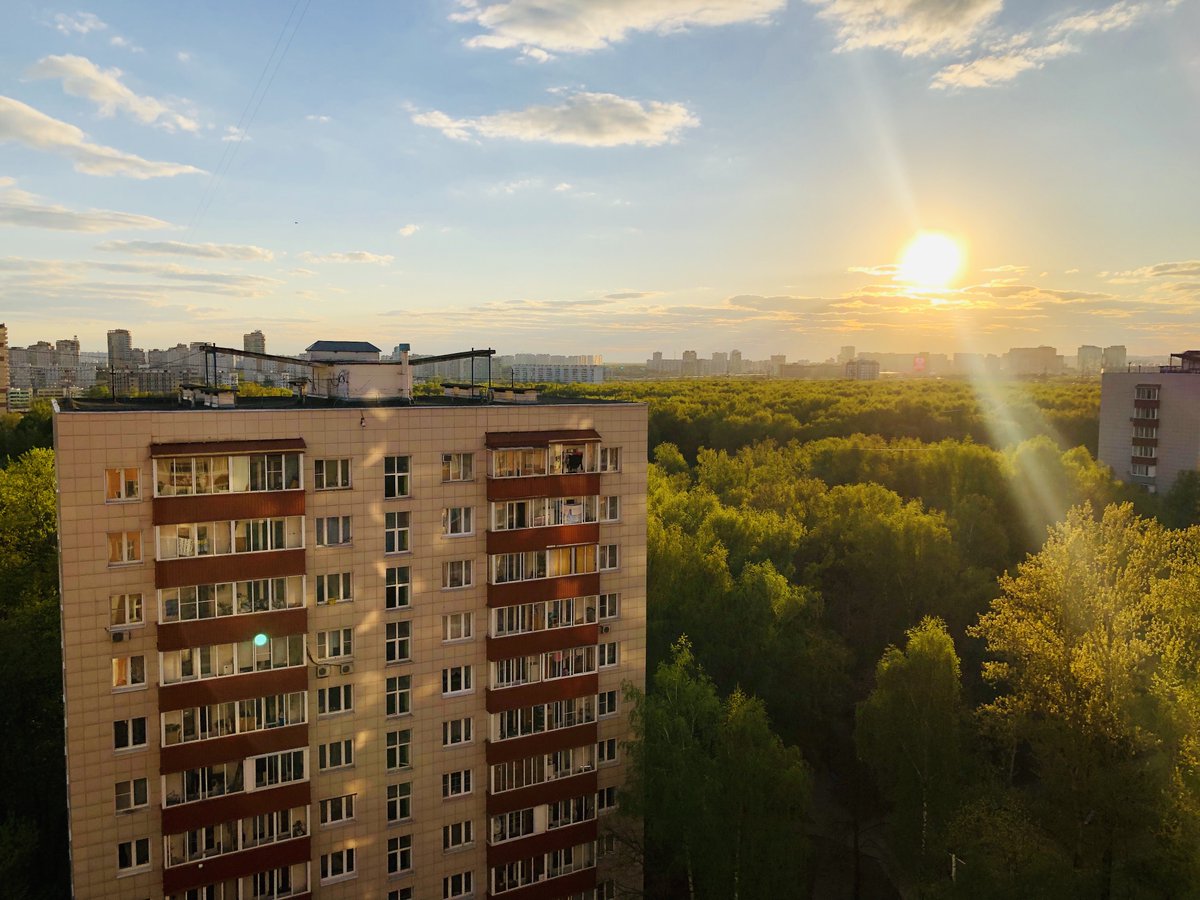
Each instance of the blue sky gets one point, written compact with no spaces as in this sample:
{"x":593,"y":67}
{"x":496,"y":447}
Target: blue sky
{"x":601,"y":176}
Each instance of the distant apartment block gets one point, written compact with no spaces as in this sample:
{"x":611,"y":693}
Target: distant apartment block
{"x":558,"y":374}
{"x":1115,"y":359}
{"x":1150,"y":421}
{"x":1089,"y":360}
{"x":120,"y":349}
{"x":358,"y":647}
{"x":4,"y":373}
{"x":862,"y":370}
{"x":1033,"y":361}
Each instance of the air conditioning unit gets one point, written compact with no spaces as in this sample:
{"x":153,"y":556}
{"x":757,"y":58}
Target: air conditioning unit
{"x":604,"y":629}
{"x":322,"y":671}
{"x":347,"y":668}
{"x":118,"y":636}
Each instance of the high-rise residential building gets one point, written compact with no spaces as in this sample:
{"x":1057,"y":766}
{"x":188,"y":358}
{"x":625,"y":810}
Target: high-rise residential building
{"x":691,"y":365}
{"x":4,"y":374}
{"x":349,"y":648}
{"x":254,"y":342}
{"x":558,"y":374}
{"x":1115,"y":358}
{"x":1033,"y":361}
{"x":120,"y":349}
{"x":1150,"y":421}
{"x":862,"y":370}
{"x":719,"y":364}
{"x":846,"y":354}
{"x":1089,"y":360}
{"x":735,"y":362}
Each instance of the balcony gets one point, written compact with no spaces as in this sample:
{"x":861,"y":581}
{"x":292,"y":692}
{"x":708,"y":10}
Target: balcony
{"x":562,"y":587}
{"x":527,"y":487}
{"x":500,"y":699}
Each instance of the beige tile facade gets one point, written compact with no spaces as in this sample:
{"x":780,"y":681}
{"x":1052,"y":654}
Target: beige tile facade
{"x":89,"y":443}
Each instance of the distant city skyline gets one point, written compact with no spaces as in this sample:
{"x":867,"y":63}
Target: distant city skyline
{"x":616,"y":179}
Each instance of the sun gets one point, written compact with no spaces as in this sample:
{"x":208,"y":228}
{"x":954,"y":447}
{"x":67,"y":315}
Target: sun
{"x":931,"y":260}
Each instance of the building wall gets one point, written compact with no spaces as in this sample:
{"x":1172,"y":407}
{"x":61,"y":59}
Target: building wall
{"x":1178,"y":431}
{"x":88,"y":443}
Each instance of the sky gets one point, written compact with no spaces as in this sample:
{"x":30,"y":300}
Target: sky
{"x":608,"y":177}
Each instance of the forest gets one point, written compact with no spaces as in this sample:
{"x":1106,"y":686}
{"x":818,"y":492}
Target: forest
{"x":905,"y":639}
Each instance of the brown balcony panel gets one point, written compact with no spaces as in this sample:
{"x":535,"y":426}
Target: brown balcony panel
{"x":235,"y":865}
{"x":232,"y":687}
{"x":1143,"y":460}
{"x":223,"y":448}
{"x":185,"y":817}
{"x":231,"y":629}
{"x":541,"y":641}
{"x":519,"y":540}
{"x":554,"y":888}
{"x":1145,"y":442}
{"x":222,"y":507}
{"x":546,"y":742}
{"x":538,"y":844}
{"x":537,"y":794}
{"x":542,"y":692}
{"x":169,"y":573}
{"x":560,"y":588}
{"x":586,"y":484}
{"x":195,"y":754}
{"x":1145,"y":404}
{"x":507,"y":440}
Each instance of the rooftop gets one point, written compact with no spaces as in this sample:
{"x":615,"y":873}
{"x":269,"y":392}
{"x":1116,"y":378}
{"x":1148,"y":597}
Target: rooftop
{"x":342,"y":347}
{"x":172,"y":404}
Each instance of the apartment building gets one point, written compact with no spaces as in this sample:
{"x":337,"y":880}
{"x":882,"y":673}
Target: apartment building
{"x":1150,"y":421}
{"x":338,"y":649}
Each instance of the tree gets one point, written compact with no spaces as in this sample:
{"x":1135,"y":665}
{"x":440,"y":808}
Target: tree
{"x":1094,"y":663}
{"x":909,"y":731}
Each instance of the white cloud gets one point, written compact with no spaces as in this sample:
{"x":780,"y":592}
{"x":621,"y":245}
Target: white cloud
{"x":562,"y":186}
{"x":409,"y":230}
{"x":80,"y":23}
{"x":584,"y":25}
{"x":82,"y":78}
{"x":537,"y":54}
{"x":183,"y":56}
{"x":233,"y":133}
{"x":352,"y":256}
{"x":180,"y":248}
{"x":321,"y":120}
{"x":1117,"y":17}
{"x":987,"y":71}
{"x":125,"y":44}
{"x":27,"y":210}
{"x":910,"y":27}
{"x":583,"y":119}
{"x":25,"y":125}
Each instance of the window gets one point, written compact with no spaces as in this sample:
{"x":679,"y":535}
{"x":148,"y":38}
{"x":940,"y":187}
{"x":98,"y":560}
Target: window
{"x":398,"y":695}
{"x":336,"y":644}
{"x":279,"y":768}
{"x":458,"y":573}
{"x":337,"y":809}
{"x":334,"y":588}
{"x":1145,"y":431}
{"x":121,"y":485}
{"x":337,"y":865}
{"x":610,"y":509}
{"x":1145,"y":452}
{"x":456,"y":731}
{"x":608,"y":654}
{"x":397,"y":643}
{"x":133,"y":856}
{"x":395,"y":535}
{"x":458,"y":885}
{"x":131,"y":795}
{"x":457,"y":834}
{"x":332,"y":474}
{"x":606,"y":751}
{"x":518,"y":463}
{"x":606,"y":799}
{"x":1146,"y":392}
{"x":395,"y":476}
{"x":399,"y":749}
{"x":124,"y":547}
{"x":608,"y":557}
{"x":336,"y":699}
{"x":1145,"y":412}
{"x":397,"y":589}
{"x":610,"y":459}
{"x":606,"y":890}
{"x":457,"y":467}
{"x":456,"y":784}
{"x":457,"y":626}
{"x":333,"y":530}
{"x":456,"y":680}
{"x":399,"y":802}
{"x":128,"y":672}
{"x":608,"y":606}
{"x":406,"y":893}
{"x":126,"y":611}
{"x":1144,"y":470}
{"x":457,"y":520}
{"x":606,"y":844}
{"x":399,"y":854}
{"x":335,"y":755}
{"x":129,"y":733}
{"x":606,"y":703}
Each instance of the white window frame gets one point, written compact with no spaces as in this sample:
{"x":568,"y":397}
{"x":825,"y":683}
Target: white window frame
{"x":129,"y":555}
{"x":397,"y":485}
{"x":132,"y":804}
{"x":342,"y":749}
{"x":458,"y":521}
{"x":460,"y":884}
{"x":397,"y":642}
{"x":608,"y":606}
{"x":457,"y":835}
{"x":397,"y":532}
{"x":342,"y":858}
{"x":340,"y":640}
{"x":457,"y":627}
{"x":399,"y":802}
{"x":608,"y":655}
{"x":130,"y":683}
{"x":341,"y":480}
{"x":610,"y":509}
{"x":610,"y":459}
{"x":398,"y":693}
{"x":607,"y":752}
{"x":341,"y":695}
{"x":397,"y":593}
{"x":603,"y":711}
{"x":464,"y":727}
{"x":458,"y":467}
{"x":608,"y":558}
{"x":344,"y":582}
{"x":129,"y":729}
{"x":130,"y":608}
{"x":464,"y":787}
{"x":606,"y":800}
{"x":342,"y":805}
{"x":137,"y":863}
{"x":464,"y":675}
{"x":398,"y":749}
{"x":340,"y":535}
{"x":123,"y":494}
{"x":458,"y":574}
{"x":399,"y":854}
